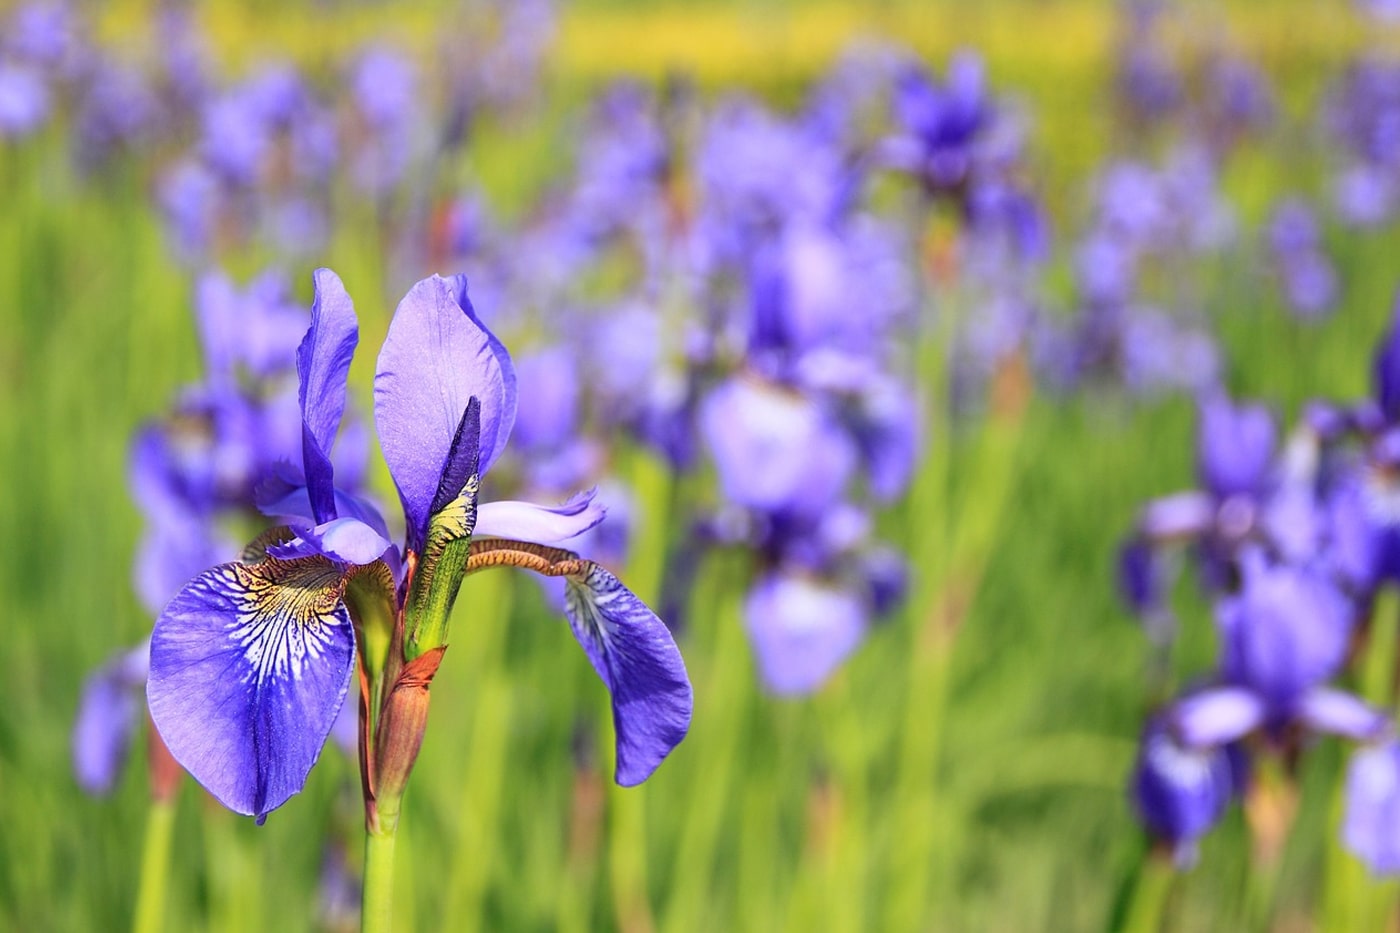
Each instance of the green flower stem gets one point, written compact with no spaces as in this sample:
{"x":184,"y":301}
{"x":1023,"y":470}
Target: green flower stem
{"x":377,"y":901}
{"x":1152,"y":889}
{"x":155,"y":867}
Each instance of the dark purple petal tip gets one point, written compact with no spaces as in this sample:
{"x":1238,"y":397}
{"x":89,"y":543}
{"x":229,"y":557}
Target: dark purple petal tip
{"x":634,"y":654}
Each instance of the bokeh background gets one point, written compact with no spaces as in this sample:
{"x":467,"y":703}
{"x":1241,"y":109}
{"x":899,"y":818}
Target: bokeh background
{"x":967,"y":766}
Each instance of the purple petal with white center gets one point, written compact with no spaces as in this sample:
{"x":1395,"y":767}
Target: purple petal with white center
{"x":323,"y":365}
{"x":1180,"y":792}
{"x":107,"y":718}
{"x":1371,"y":824}
{"x":437,"y":355}
{"x":802,"y":630}
{"x":1340,"y":713}
{"x":634,"y":654}
{"x":1217,"y":717}
{"x":345,"y":540}
{"x":525,"y":521}
{"x":250,"y":664}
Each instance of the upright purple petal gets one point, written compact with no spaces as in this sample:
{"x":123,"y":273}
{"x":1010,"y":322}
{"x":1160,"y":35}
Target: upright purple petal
{"x":1235,"y":446}
{"x":634,"y":654}
{"x":323,"y":365}
{"x":1286,"y":632}
{"x":250,"y":664}
{"x":436,"y":357}
{"x":509,"y":401}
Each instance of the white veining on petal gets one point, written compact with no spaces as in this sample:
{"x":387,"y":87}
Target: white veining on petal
{"x":287,"y":613}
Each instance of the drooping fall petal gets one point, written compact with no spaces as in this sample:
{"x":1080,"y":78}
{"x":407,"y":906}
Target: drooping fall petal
{"x":634,"y":654}
{"x":250,"y":664}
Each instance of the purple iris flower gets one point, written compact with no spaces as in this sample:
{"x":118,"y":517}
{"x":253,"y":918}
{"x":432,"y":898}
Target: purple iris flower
{"x":1371,"y":824}
{"x":549,"y":400}
{"x":1241,"y":99}
{"x":1309,"y":279}
{"x":384,"y":86}
{"x":119,"y":111}
{"x":945,"y":120}
{"x":42,"y":32}
{"x":1246,"y":498}
{"x":1284,"y":636}
{"x":1179,"y":791}
{"x":252,"y":660}
{"x":802,"y":629}
{"x":24,"y":100}
{"x":775,"y":449}
{"x":254,"y":331}
{"x":1365,"y":195}
{"x":190,"y":197}
{"x":107,"y":718}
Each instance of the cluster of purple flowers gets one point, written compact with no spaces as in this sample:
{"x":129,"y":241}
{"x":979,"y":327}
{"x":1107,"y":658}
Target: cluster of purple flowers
{"x":745,"y":292}
{"x":1138,"y":324}
{"x":196,"y":474}
{"x":1297,"y":253}
{"x":738,"y":299}
{"x":1361,"y":114}
{"x":1293,"y":540}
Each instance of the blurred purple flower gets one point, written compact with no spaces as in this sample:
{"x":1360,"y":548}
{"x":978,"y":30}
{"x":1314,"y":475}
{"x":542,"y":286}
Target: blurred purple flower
{"x":774,"y":449}
{"x":42,"y":32}
{"x":1371,"y":822}
{"x":802,"y":629}
{"x":1181,"y":792}
{"x":24,"y":100}
{"x":108,"y":716}
{"x":1234,"y":447}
